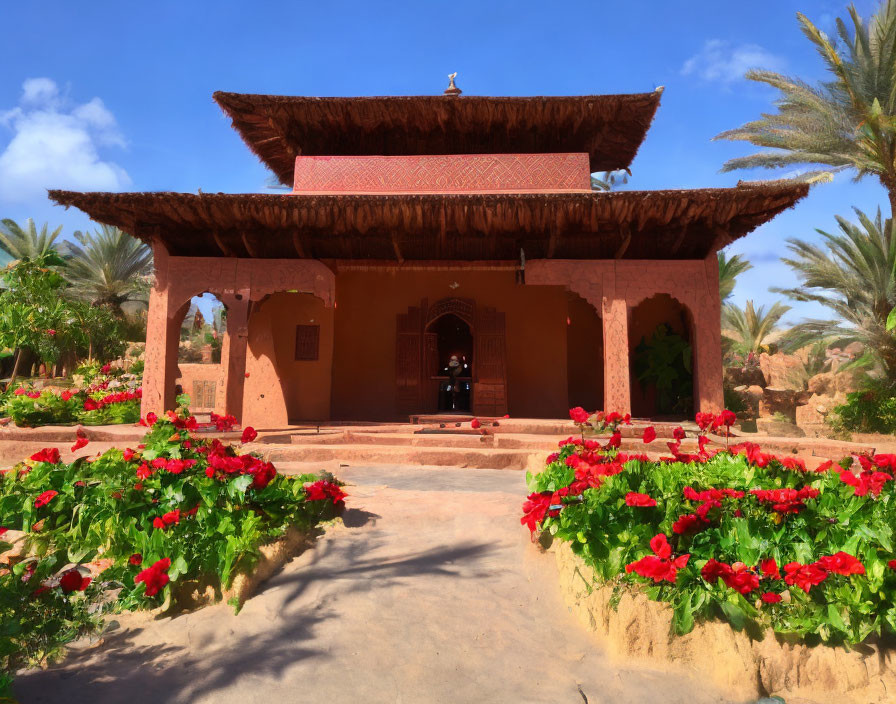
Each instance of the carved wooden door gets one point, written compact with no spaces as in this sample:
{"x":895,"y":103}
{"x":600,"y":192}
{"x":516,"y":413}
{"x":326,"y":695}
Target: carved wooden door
{"x":489,"y":364}
{"x":408,"y":361}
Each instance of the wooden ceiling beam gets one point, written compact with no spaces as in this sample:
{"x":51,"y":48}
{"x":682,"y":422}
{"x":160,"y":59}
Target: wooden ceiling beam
{"x":298,"y":245}
{"x":397,"y":248}
{"x":250,"y":249}
{"x":222,"y":244}
{"x":626,"y":241}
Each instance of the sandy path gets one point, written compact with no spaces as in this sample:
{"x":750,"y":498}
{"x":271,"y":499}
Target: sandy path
{"x":429,"y":593}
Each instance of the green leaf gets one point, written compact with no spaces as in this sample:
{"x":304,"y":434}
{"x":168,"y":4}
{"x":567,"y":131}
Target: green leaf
{"x":891,"y":320}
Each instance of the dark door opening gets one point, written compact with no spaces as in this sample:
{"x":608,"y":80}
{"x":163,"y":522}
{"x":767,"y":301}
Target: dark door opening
{"x":452,"y":364}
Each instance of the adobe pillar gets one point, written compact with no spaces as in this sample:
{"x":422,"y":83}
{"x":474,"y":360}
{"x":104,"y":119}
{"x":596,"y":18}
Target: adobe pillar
{"x":708,"y":342}
{"x":162,"y":337}
{"x":614,"y":314}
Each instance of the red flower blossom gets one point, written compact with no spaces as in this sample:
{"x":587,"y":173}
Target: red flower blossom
{"x":128,"y":454}
{"x":579,"y":415}
{"x":45,"y":498}
{"x":249,"y":433}
{"x":51,"y":332}
{"x":175,"y":466}
{"x":769,"y":568}
{"x":658,"y":566}
{"x":322,"y":490}
{"x":475,"y":424}
{"x":151,"y":418}
{"x":72,"y":581}
{"x":154,"y":577}
{"x":702,"y":442}
{"x":804,"y":576}
{"x":615,"y":440}
{"x":714,"y":570}
{"x":144,"y":471}
{"x":534,"y":509}
{"x":106,"y":368}
{"x":689,"y":523}
{"x":79,"y":443}
{"x":19,"y":392}
{"x":892,"y":564}
{"x":771,"y":598}
{"x":841,"y":563}
{"x":785,"y":500}
{"x":704,"y":420}
{"x":50,"y":455}
{"x":867,"y":481}
{"x":33,"y":394}
{"x":886,"y":462}
{"x":727,"y":418}
{"x":649,"y":434}
{"x":678,"y":433}
{"x":634,"y":499}
{"x":742,"y":580}
{"x":66,"y":395}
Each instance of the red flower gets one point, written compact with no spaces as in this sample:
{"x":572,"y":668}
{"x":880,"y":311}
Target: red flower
{"x":72,"y":581}
{"x":172,"y":517}
{"x":158,"y":523}
{"x":66,"y":395}
{"x":742,"y":580}
{"x":175,"y":466}
{"x":50,"y":455}
{"x":144,"y":471}
{"x":704,"y":420}
{"x":841,"y":563}
{"x":679,"y":433}
{"x":249,"y":433}
{"x":892,"y":564}
{"x":702,"y":442}
{"x":155,"y":577}
{"x":727,"y":418}
{"x":634,"y":499}
{"x":151,"y":418}
{"x":51,"y":332}
{"x":159,"y":463}
{"x":689,"y":523}
{"x":79,"y":443}
{"x":45,"y":498}
{"x":615,"y":440}
{"x":657,"y":566}
{"x":771,"y":598}
{"x":804,"y":576}
{"x":19,"y":392}
{"x":770,"y":568}
{"x":534,"y":509}
{"x":579,"y":415}
{"x":649,"y":434}
{"x":475,"y":424}
{"x":867,"y":481}
{"x":128,"y":454}
{"x":886,"y":461}
{"x":322,"y":489}
{"x":106,"y":368}
{"x":714,"y":570}
{"x":33,"y":394}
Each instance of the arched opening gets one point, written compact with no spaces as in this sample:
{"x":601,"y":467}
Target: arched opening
{"x":449,"y":361}
{"x":584,"y":354}
{"x":661,"y":359}
{"x":203,"y":333}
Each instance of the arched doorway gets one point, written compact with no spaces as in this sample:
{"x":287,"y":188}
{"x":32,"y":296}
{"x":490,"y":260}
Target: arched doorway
{"x":449,"y":361}
{"x":203,"y":332}
{"x":662,"y":358}
{"x":584,"y":354}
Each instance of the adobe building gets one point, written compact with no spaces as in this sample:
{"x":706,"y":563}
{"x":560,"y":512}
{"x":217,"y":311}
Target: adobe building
{"x":421,"y":229}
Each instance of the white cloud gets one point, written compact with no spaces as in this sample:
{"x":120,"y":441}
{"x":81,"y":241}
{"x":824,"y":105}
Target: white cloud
{"x":55,"y":144}
{"x":723,"y":62}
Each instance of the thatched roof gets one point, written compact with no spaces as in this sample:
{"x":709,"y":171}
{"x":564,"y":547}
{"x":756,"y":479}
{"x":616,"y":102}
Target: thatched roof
{"x":674,"y":224}
{"x":610,"y":128}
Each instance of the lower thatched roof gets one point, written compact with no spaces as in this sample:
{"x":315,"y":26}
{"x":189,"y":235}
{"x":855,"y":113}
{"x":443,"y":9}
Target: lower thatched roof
{"x":672,"y":224}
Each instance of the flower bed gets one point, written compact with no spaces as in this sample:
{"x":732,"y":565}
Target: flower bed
{"x":110,"y":397}
{"x":135,"y":523}
{"x":737,"y":535}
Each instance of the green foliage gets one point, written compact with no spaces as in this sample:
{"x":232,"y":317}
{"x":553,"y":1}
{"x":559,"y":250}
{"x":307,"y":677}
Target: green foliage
{"x":48,"y":408}
{"x":740,"y":531}
{"x":664,"y":362}
{"x":872,"y":410}
{"x":26,"y":242}
{"x":109,"y":268}
{"x":846,"y":122}
{"x":39,"y":621}
{"x":729,"y":270}
{"x":219,"y":508}
{"x":853,"y":274}
{"x":747,"y":331}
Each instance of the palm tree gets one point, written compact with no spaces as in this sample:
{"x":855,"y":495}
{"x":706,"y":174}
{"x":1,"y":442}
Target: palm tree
{"x":26,"y":242}
{"x":854,"y":275}
{"x":729,"y":270}
{"x":109,"y":268}
{"x":848,"y":122}
{"x":748,"y":330}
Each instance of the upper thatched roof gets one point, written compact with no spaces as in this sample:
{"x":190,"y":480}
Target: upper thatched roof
{"x":674,"y":224}
{"x":609,"y":128}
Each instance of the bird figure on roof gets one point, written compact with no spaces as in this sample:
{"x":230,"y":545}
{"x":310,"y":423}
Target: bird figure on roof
{"x":452,"y":89}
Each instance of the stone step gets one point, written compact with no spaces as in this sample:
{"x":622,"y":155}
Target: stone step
{"x":396,"y":454}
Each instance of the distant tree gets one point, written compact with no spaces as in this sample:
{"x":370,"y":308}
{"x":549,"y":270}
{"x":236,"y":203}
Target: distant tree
{"x":108,"y":267}
{"x":608,"y":180}
{"x":847,"y":122}
{"x":729,"y":270}
{"x":854,"y":275}
{"x":26,"y":242}
{"x":747,"y":330}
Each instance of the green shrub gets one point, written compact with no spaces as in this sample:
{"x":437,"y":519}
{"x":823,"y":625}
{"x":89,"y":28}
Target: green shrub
{"x":664,"y":362}
{"x":815,"y":558}
{"x":177,"y":507}
{"x":870,"y":411}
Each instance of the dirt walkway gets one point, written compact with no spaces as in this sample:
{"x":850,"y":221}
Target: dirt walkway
{"x":429,"y":593}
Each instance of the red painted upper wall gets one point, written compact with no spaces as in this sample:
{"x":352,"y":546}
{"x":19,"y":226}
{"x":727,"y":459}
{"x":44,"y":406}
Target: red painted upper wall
{"x":451,"y":173}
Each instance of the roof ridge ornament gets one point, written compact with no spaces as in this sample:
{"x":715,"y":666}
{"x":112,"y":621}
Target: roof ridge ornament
{"x":452,"y":89}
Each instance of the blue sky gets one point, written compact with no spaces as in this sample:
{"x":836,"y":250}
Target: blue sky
{"x":117,"y":96}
